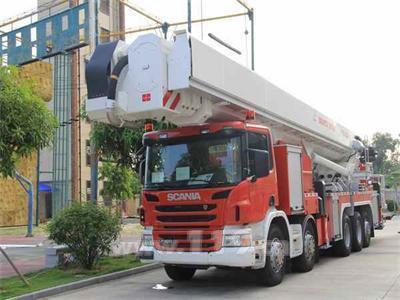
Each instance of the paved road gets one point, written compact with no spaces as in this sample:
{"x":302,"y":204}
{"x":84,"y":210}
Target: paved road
{"x":372,"y":274}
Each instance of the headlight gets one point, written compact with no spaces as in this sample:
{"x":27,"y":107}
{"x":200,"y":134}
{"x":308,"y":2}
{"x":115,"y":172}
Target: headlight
{"x":237,"y":240}
{"x":147,"y":240}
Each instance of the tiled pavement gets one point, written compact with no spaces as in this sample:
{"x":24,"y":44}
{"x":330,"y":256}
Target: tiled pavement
{"x":33,"y":258}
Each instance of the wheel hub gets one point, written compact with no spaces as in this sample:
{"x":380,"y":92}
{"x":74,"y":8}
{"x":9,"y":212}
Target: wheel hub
{"x":367,"y":229}
{"x":359,"y":232}
{"x":346,"y":232}
{"x":309,"y":246}
{"x":277,"y":255}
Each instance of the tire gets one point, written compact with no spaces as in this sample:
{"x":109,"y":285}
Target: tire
{"x":367,"y":229}
{"x":343,"y":247}
{"x":357,"y":242}
{"x":275,"y":262}
{"x":305,"y":262}
{"x":179,"y":273}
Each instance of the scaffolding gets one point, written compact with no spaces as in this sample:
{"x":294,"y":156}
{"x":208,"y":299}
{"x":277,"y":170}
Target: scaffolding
{"x":54,"y":38}
{"x":61,"y":197}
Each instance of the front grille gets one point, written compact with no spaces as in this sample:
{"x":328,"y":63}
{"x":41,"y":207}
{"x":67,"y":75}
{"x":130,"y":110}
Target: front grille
{"x":188,"y":240}
{"x":186,"y":236}
{"x":186,"y":218}
{"x":185,"y":208}
{"x":201,"y":245}
{"x":188,"y":227}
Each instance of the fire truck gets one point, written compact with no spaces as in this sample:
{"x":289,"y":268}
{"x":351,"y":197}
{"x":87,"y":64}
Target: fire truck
{"x":250,"y":177}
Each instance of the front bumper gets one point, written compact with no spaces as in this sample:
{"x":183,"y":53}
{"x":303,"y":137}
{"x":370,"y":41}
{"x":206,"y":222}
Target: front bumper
{"x":227,"y":256}
{"x":230,"y":257}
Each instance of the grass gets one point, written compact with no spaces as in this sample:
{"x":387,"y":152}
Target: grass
{"x":13,"y":286}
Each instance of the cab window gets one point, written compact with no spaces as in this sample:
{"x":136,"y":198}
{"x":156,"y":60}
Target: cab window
{"x":259,"y":154}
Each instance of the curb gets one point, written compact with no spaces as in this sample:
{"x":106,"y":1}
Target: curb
{"x":86,"y":282}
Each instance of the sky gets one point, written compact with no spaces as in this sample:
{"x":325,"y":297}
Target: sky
{"x":340,"y":56}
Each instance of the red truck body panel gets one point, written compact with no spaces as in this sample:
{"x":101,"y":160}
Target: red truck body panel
{"x":197,"y":224}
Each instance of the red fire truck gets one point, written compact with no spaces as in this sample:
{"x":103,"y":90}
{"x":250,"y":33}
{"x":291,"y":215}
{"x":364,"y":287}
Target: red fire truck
{"x":251,"y":177}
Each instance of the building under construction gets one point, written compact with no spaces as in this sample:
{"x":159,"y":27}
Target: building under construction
{"x":54,"y":49}
{"x":52,"y":44}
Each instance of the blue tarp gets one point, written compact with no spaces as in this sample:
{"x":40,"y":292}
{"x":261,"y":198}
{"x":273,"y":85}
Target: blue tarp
{"x":44,"y":187}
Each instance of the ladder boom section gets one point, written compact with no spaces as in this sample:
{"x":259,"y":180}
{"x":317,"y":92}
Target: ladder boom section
{"x":188,"y":82}
{"x":287,"y":116}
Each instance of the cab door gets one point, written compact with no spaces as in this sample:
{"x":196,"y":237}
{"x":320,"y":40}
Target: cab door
{"x":262,"y":181}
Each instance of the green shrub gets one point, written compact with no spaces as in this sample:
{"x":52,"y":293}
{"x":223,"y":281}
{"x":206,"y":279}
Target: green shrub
{"x":87,"y":229}
{"x":391,"y":205}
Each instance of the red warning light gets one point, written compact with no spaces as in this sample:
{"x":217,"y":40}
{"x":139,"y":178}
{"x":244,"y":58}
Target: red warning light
{"x":148,"y":127}
{"x":250,"y":115}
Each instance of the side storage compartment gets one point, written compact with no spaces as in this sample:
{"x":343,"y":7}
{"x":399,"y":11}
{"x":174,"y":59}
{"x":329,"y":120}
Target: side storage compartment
{"x":333,"y":213}
{"x":290,"y":178}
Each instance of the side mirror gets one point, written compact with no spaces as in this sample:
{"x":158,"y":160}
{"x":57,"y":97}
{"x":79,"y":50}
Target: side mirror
{"x":260,"y":162}
{"x":142,"y":166}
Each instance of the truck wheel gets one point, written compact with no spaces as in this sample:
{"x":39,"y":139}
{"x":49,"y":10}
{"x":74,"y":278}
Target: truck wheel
{"x":343,"y":247}
{"x":357,"y":242}
{"x":275,"y":261}
{"x":179,"y":273}
{"x":305,"y":262}
{"x":366,"y":232}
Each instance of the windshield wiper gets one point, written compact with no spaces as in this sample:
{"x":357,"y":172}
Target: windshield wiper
{"x":164,"y":185}
{"x":186,"y":184}
{"x":208,"y":183}
{"x":198,"y":180}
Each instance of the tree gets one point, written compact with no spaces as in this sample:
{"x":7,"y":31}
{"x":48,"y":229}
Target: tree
{"x":386,"y":147}
{"x":388,"y":158}
{"x":121,"y":151}
{"x":87,"y":229}
{"x":122,"y":145}
{"x":118,"y":144}
{"x":26,"y":124}
{"x":120,"y":181}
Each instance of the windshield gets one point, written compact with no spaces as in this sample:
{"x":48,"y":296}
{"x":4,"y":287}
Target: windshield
{"x":211,"y":161}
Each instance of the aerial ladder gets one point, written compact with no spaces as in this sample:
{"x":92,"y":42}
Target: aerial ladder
{"x":288,"y":179}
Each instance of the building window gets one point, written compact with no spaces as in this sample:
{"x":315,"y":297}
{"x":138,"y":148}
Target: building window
{"x":81,"y":17}
{"x":64,"y":22}
{"x":105,"y":7}
{"x":88,"y":191}
{"x":48,"y":29}
{"x":104,"y":35}
{"x":88,"y":153}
